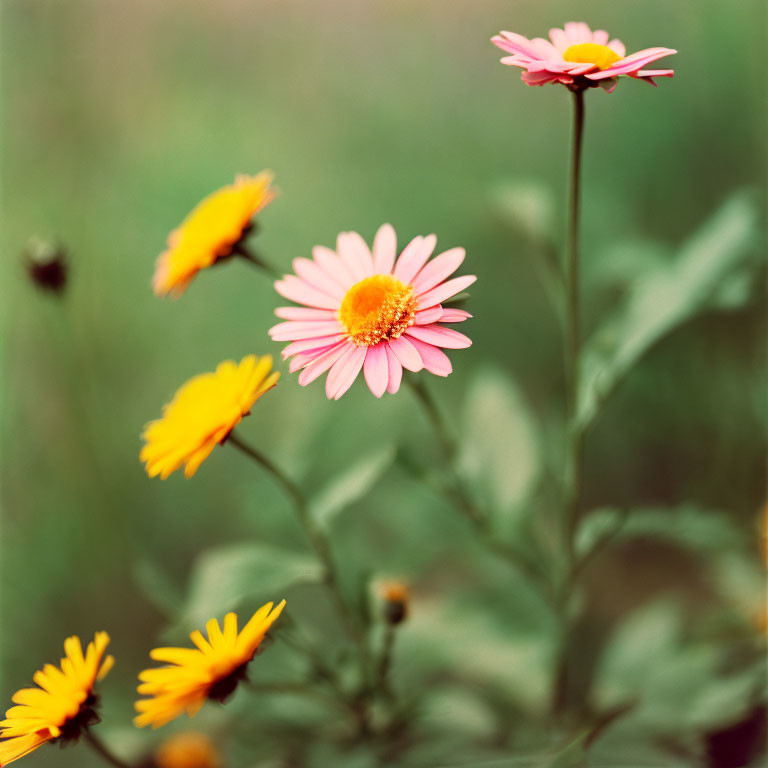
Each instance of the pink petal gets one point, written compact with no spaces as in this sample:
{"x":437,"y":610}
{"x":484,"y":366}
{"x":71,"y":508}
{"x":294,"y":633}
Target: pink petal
{"x":438,"y":269}
{"x":297,"y":290}
{"x":310,"y":344}
{"x":445,"y":291}
{"x":406,"y":353}
{"x":578,"y":32}
{"x":332,"y":265}
{"x":384,"y":250}
{"x":311,"y":273}
{"x":514,"y":43}
{"x":542,"y":78}
{"x":454,"y":316}
{"x":323,"y":362}
{"x":428,"y":316}
{"x":618,"y":47}
{"x":633,"y":63}
{"x":355,"y":254}
{"x":376,"y":370}
{"x":304,"y":313}
{"x":434,"y":359}
{"x":413,"y":258}
{"x":395,"y":372}
{"x":439,"y":337}
{"x":295,"y":330}
{"x":305,"y":358}
{"x":559,"y":38}
{"x":543,"y":48}
{"x":344,"y":372}
{"x":299,"y":361}
{"x":600,"y":36}
{"x":649,"y":74}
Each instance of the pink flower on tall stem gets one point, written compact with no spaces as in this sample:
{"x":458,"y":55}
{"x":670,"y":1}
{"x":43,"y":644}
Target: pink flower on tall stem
{"x":579,"y":58}
{"x":371,"y":311}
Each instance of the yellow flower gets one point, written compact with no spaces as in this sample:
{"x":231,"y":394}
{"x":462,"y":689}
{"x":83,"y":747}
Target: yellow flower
{"x":187,"y":750}
{"x":62,"y":705}
{"x":211,"y":231}
{"x":210,"y":671}
{"x":202,"y":413}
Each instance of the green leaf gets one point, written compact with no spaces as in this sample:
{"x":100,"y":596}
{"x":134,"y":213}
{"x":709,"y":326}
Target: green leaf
{"x":350,"y":486}
{"x":528,"y":206}
{"x":678,"y":685}
{"x":499,"y":448}
{"x":688,"y":526}
{"x":227,"y":577}
{"x":598,"y":527}
{"x":699,"y":278}
{"x":155,"y":585}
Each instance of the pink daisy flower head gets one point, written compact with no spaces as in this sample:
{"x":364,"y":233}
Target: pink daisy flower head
{"x":578,"y":58}
{"x":371,"y":311}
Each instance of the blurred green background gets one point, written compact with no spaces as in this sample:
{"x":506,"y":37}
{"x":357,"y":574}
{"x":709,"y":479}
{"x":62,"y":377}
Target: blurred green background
{"x":118,"y":117}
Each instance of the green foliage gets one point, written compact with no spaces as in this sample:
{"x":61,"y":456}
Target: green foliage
{"x":223,"y":579}
{"x":700,"y":276}
{"x":677,"y":684}
{"x":130,"y":151}
{"x":350,"y":486}
{"x":499,"y":447}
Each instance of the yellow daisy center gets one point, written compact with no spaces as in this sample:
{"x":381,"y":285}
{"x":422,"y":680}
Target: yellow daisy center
{"x":377,"y":309}
{"x":592,"y":53}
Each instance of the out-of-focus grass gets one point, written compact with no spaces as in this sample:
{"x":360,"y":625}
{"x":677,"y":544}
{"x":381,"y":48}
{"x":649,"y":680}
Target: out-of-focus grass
{"x":119,"y":117}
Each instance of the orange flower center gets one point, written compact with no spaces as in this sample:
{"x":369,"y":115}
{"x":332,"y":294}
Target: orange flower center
{"x":592,"y":53}
{"x":377,"y":309}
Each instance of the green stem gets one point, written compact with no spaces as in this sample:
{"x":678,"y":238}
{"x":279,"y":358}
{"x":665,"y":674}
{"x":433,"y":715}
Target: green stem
{"x":320,"y":544}
{"x":457,"y":494}
{"x":254,"y":258}
{"x":102,"y":749}
{"x":444,"y":437}
{"x":575,"y":435}
{"x":573,"y":324}
{"x":385,"y":660}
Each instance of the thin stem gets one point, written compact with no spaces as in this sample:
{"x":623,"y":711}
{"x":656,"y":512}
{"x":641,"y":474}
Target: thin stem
{"x":575,"y":435}
{"x":573,"y":324}
{"x":319,"y":542}
{"x":293,"y":490}
{"x":457,"y":494}
{"x":385,"y":660}
{"x":444,"y":436}
{"x":255,"y":258}
{"x":102,"y":749}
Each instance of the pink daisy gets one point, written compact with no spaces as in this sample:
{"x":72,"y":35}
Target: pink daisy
{"x":579,"y":58}
{"x":371,"y":311}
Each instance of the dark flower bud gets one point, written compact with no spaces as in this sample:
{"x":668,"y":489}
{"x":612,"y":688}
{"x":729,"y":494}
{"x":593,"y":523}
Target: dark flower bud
{"x":395,"y":596}
{"x":46,"y":265}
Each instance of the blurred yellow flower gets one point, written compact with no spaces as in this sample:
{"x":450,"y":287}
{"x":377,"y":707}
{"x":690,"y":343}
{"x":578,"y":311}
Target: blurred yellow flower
{"x":188,"y":749}
{"x":63,"y":704}
{"x":202,"y":413}
{"x":210,"y":671}
{"x":211,"y":231}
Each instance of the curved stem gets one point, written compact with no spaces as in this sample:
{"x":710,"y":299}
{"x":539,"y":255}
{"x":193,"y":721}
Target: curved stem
{"x":575,"y":435}
{"x":255,"y":258}
{"x":99,"y":746}
{"x":320,"y":544}
{"x":461,"y":499}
